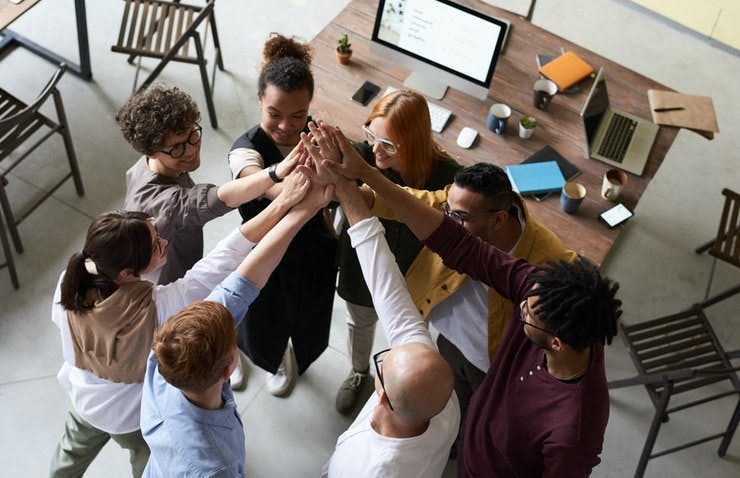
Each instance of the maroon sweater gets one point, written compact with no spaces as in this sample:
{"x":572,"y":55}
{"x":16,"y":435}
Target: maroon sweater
{"x":522,"y":422}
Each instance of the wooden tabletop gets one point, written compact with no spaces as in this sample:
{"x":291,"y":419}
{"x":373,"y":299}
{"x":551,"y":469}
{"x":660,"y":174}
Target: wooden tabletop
{"x":10,"y":11}
{"x":560,"y":126}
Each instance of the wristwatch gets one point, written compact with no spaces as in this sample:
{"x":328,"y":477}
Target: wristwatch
{"x":272,"y":171}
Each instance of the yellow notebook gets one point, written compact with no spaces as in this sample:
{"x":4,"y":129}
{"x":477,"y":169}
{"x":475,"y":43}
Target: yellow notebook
{"x":566,"y":70}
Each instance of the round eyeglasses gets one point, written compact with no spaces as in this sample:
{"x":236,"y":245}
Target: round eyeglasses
{"x":525,"y":312}
{"x":372,"y":139}
{"x":177,"y":150}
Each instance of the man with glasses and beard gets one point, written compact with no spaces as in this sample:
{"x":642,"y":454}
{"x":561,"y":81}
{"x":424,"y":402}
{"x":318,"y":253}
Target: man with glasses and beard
{"x":471,"y":317}
{"x":161,"y":123}
{"x":543,"y":406}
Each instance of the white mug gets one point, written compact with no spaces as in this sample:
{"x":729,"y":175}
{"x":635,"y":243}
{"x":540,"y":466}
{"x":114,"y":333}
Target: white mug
{"x":614,"y":181}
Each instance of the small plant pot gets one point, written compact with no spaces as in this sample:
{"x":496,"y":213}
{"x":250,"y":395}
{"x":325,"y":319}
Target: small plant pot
{"x":343,"y":58}
{"x":525,"y":133}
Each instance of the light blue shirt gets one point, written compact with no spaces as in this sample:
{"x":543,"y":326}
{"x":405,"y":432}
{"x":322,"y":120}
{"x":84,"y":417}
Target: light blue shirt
{"x":186,"y":440}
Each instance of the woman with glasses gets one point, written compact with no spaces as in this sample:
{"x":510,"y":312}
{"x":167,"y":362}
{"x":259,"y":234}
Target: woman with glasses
{"x":161,"y":123}
{"x":287,"y":327}
{"x":399,"y":143}
{"x":107,"y":314}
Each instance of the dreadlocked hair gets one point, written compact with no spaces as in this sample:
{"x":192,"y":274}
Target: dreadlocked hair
{"x":576,"y":302}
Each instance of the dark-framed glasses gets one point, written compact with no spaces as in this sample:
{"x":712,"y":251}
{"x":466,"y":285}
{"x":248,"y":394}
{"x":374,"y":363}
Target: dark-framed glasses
{"x":458,"y":216}
{"x":177,"y":150}
{"x":525,"y":312}
{"x":387,"y":145}
{"x":378,"y":360}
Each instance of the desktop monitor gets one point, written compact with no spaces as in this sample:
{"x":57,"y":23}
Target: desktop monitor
{"x":441,"y":42}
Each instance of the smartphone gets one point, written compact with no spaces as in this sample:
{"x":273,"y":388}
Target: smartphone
{"x":366,"y":93}
{"x":615,"y":216}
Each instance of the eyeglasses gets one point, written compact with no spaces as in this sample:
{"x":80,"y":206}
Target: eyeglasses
{"x":525,"y":312}
{"x":378,"y":359}
{"x":177,"y":150}
{"x":387,"y":145}
{"x":460,"y":217}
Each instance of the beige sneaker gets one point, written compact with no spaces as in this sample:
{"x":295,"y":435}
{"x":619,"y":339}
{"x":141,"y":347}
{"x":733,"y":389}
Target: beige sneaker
{"x":239,"y":375}
{"x":350,"y":391}
{"x":283,"y":380}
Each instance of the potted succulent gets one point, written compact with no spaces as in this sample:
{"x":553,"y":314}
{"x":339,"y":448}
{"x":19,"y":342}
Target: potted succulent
{"x":526,"y":126}
{"x":344,"y":49}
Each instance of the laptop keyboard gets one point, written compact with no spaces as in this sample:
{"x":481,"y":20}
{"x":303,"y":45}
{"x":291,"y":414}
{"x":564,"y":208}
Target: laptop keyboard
{"x":617,"y":138}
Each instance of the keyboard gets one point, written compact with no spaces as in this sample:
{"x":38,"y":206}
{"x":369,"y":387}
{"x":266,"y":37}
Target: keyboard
{"x":439,"y":115}
{"x":617,"y":137}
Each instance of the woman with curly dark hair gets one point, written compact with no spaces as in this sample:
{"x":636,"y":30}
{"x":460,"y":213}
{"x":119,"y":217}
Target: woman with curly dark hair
{"x":296,"y":304}
{"x":161,"y":123}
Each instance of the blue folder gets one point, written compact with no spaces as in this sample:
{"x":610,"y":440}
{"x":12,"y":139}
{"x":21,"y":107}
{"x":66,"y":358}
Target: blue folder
{"x":536,"y":178}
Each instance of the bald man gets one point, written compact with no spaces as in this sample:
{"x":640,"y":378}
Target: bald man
{"x":407,"y":427}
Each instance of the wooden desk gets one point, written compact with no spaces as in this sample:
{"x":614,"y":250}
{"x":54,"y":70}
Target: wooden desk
{"x":560,"y":126}
{"x":9,"y":12}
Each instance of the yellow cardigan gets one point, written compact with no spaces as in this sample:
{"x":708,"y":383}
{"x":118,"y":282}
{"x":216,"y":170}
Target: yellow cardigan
{"x":430,"y":282}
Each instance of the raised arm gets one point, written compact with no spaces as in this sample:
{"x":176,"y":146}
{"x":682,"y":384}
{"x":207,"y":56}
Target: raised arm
{"x":397,"y":314}
{"x":420,"y":218}
{"x":252,"y":186}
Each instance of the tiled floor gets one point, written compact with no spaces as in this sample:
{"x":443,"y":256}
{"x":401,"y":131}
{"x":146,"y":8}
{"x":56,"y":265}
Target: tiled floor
{"x":292,"y":437}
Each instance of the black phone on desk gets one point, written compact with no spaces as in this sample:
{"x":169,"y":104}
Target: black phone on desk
{"x":365,"y":93}
{"x":616,"y":215}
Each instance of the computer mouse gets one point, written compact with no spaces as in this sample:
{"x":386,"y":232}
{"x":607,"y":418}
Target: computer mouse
{"x":466,"y":137}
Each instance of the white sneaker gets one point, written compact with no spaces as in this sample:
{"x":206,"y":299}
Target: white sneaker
{"x":281,"y":383}
{"x":239,"y":375}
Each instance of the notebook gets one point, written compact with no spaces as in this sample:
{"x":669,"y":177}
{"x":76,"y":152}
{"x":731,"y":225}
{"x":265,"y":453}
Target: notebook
{"x":693,"y":112}
{"x":613,"y":136}
{"x":535,"y":178}
{"x":548,"y":153}
{"x":566,"y":70}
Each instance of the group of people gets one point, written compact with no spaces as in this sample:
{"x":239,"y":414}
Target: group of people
{"x":153,"y":332}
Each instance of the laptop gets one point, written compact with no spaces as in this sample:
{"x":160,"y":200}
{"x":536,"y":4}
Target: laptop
{"x":613,"y":136}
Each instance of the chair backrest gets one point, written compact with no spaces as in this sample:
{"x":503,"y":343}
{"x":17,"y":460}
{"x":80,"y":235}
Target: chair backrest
{"x":675,"y":343}
{"x":727,"y":243}
{"x":154,"y":27}
{"x":16,"y":117}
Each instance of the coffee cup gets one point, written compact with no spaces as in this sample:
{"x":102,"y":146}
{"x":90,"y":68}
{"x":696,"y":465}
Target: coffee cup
{"x":544,"y":90}
{"x":572,"y":196}
{"x":614,"y":181}
{"x":498,"y":114}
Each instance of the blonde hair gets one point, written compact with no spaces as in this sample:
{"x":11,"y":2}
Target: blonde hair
{"x":408,"y":125}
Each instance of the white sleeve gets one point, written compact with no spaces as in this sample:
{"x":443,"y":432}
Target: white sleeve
{"x":59,"y":317}
{"x":205,"y":275}
{"x":397,"y":314}
{"x":240,"y":158}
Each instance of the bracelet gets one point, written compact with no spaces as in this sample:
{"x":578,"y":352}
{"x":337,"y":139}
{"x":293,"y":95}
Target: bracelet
{"x":272,"y":171}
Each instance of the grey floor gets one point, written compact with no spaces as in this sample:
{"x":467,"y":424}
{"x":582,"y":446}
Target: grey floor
{"x":292,"y":437}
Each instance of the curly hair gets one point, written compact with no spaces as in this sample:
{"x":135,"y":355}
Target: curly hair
{"x":491,"y":182}
{"x":576,"y":302}
{"x":286,"y":65}
{"x":196,"y":345}
{"x":150,"y":115}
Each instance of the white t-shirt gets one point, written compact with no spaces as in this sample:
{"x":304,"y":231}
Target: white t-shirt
{"x":361,"y":451}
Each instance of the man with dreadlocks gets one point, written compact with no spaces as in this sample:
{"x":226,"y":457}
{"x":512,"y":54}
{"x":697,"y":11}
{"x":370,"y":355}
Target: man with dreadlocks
{"x":543,"y":406}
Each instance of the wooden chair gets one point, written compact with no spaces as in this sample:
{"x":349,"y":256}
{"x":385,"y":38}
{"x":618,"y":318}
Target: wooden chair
{"x":19,"y":123}
{"x":8,"y":254}
{"x":676,"y":354}
{"x":726,"y":245}
{"x":169,"y":31}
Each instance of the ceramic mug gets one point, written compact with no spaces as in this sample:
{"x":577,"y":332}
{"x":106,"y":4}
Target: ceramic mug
{"x":498,"y":114}
{"x":614,"y":181}
{"x":572,"y":196}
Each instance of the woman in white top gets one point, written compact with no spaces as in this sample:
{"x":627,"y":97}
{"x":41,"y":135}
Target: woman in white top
{"x":107,"y":316}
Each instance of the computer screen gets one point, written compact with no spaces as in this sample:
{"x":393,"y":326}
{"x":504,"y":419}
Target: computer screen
{"x":442,"y":42}
{"x":595,"y":107}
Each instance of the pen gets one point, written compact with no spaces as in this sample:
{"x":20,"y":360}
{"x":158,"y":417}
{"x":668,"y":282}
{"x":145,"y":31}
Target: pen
{"x":663,"y":110}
